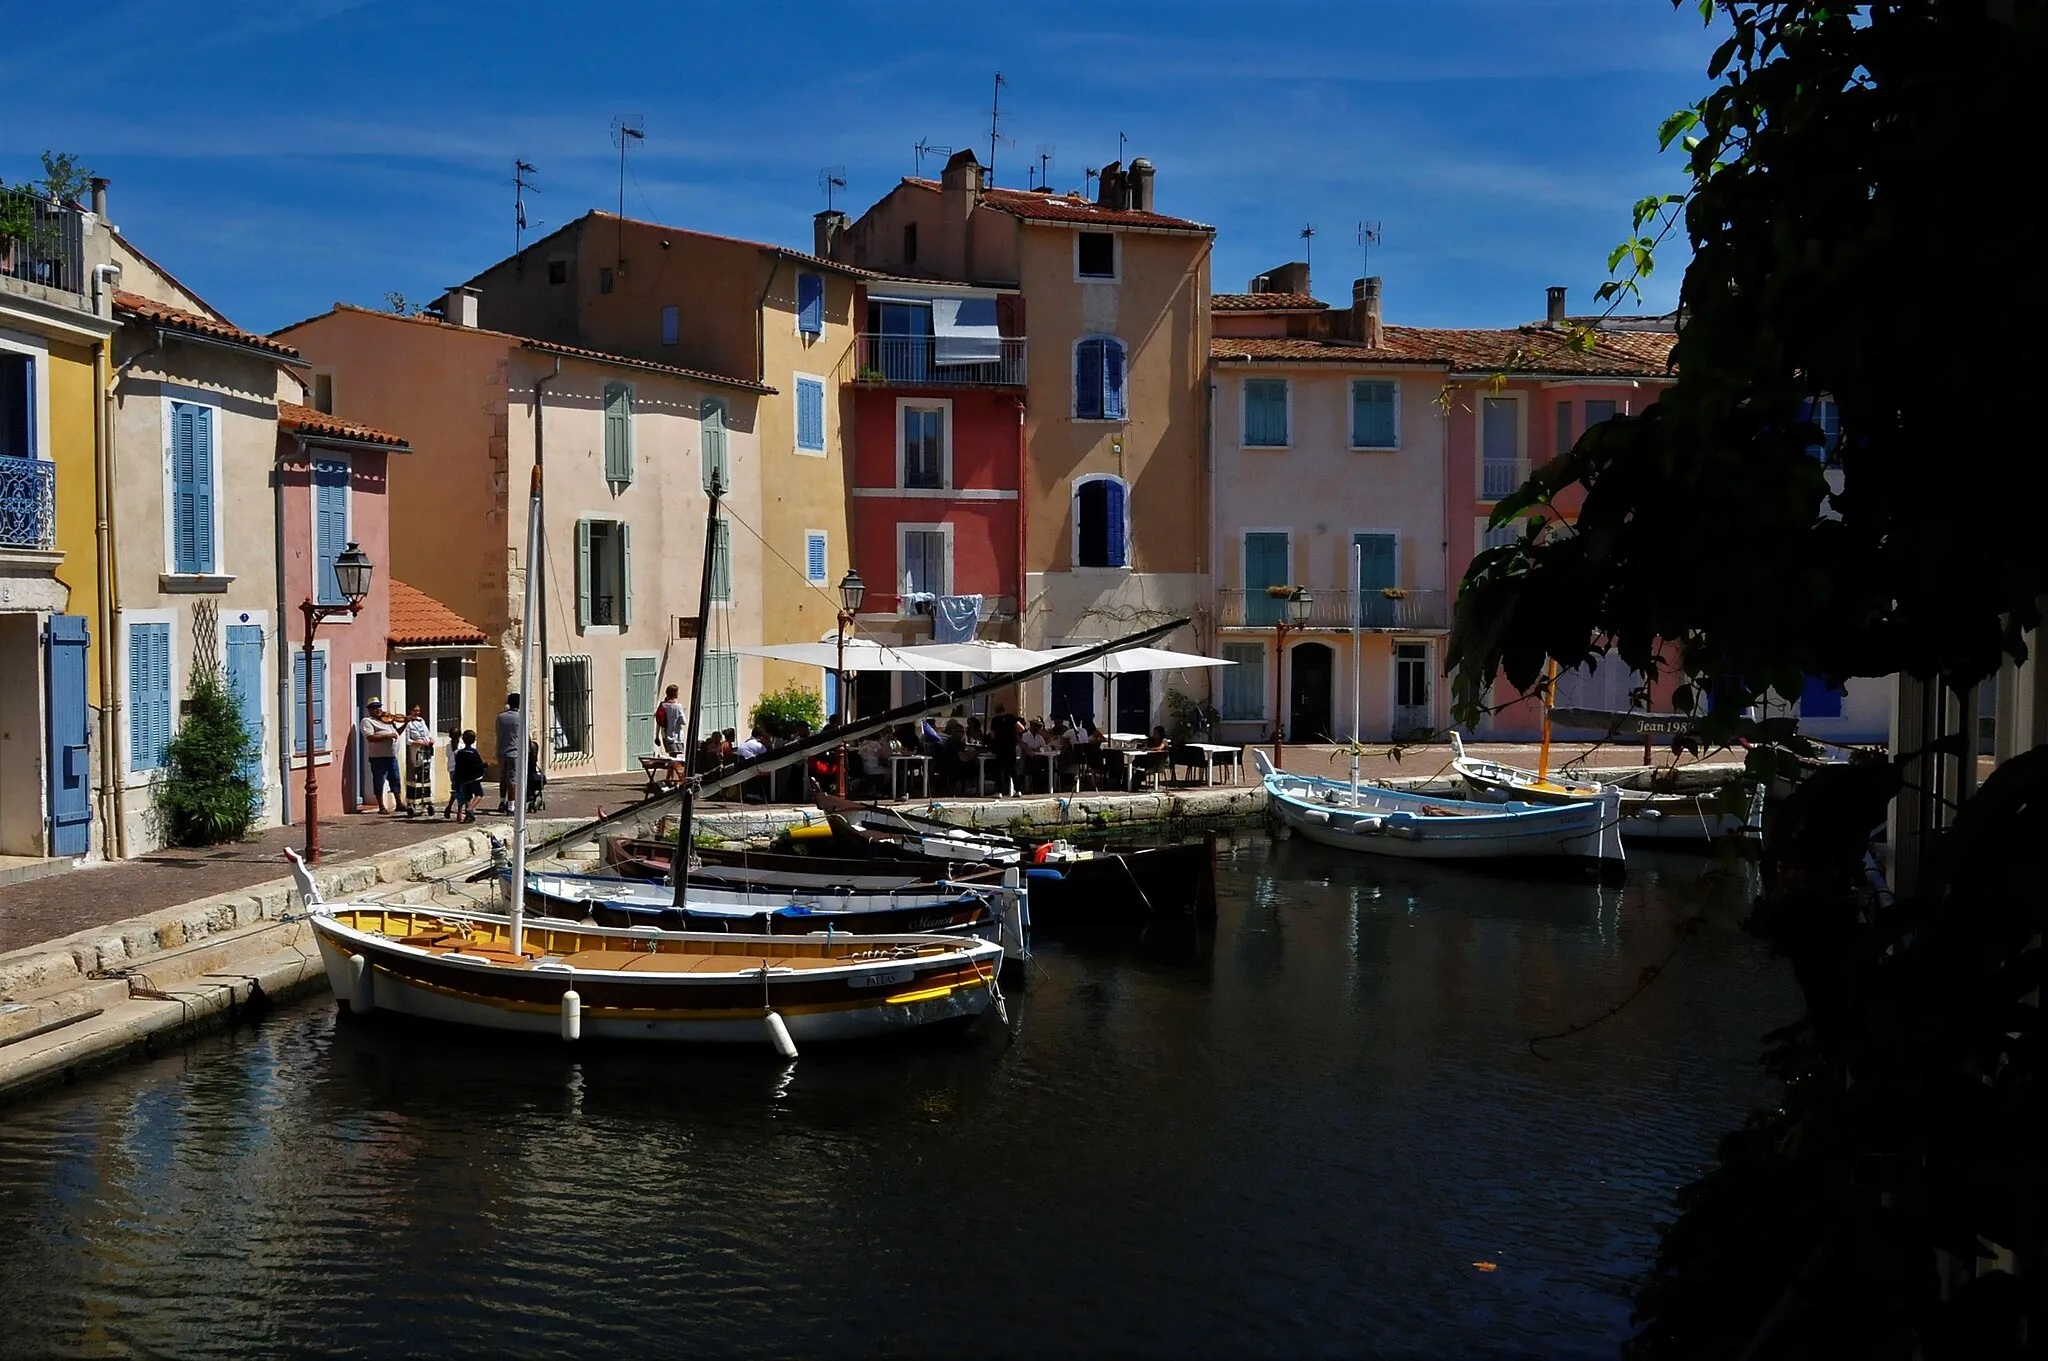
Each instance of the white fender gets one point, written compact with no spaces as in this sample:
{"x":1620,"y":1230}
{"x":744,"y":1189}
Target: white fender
{"x":778,"y":1035}
{"x":572,"y":1015}
{"x":362,"y":989}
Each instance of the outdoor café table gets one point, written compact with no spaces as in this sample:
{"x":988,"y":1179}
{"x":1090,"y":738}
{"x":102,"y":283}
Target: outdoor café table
{"x":924,"y":775}
{"x":1127,"y":747}
{"x":1208,"y":756}
{"x":982,"y":756}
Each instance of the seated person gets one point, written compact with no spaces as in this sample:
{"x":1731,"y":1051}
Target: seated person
{"x":1158,"y":742}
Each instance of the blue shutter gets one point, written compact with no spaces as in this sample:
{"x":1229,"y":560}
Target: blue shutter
{"x":299,"y":702}
{"x":320,"y":701}
{"x":1265,"y":412}
{"x":1113,"y":380}
{"x":810,"y":304}
{"x":70,"y":768}
{"x":810,"y":414}
{"x":330,"y":527}
{"x":202,"y":490}
{"x":245,"y":679}
{"x":814,"y":558}
{"x":1378,"y":569}
{"x":670,"y":325}
{"x":1113,"y":522}
{"x":1088,"y":380}
{"x":1372,"y":415}
{"x":1817,"y":699}
{"x":1265,"y":564}
{"x":184,"y":528}
{"x":149,"y":694}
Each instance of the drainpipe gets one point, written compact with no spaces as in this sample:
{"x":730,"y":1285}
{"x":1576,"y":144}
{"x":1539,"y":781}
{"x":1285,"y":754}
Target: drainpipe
{"x":1023,"y":528}
{"x":545,"y":681}
{"x":113,"y":836}
{"x":283,"y":650}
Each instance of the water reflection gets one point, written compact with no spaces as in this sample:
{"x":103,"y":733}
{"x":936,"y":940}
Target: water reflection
{"x":1292,"y":1133}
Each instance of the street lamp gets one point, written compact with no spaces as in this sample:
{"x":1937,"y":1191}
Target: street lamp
{"x":1292,"y":616}
{"x":352,"y":578}
{"x":852,"y":590}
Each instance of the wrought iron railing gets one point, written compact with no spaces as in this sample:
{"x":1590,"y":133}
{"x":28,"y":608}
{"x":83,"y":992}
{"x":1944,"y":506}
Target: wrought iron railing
{"x":1501,"y":476}
{"x":913,"y":361}
{"x":28,"y":503}
{"x":1394,"y":609}
{"x":41,"y":241}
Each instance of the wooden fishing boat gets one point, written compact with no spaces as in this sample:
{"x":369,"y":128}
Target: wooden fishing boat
{"x":612,"y":901}
{"x":1376,"y":820}
{"x":1669,"y":817}
{"x":647,"y":858}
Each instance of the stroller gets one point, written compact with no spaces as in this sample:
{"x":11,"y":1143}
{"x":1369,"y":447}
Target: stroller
{"x":536,"y":780}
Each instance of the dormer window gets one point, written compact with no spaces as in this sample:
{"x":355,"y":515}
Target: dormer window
{"x":1095,"y":256}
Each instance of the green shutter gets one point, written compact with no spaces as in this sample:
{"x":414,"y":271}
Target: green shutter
{"x":721,"y":562}
{"x":582,"y":573}
{"x":625,"y":575}
{"x":618,"y":435}
{"x":640,"y":687}
{"x":713,"y":441}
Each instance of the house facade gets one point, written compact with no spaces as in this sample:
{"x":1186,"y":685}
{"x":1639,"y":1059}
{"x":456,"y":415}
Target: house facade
{"x":778,"y":321}
{"x":627,"y":448}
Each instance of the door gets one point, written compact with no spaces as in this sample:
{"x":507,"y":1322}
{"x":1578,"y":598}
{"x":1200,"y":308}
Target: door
{"x":369,"y":686}
{"x":640,"y":678}
{"x":245,"y":681}
{"x":1073,"y":696}
{"x":1308,"y":702}
{"x":1265,"y":564}
{"x":1411,"y":689}
{"x":1378,"y":571}
{"x":70,"y":763}
{"x":1134,"y":702}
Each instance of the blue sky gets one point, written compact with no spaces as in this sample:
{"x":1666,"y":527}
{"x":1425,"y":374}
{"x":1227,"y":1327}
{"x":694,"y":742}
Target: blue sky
{"x":279,"y":155}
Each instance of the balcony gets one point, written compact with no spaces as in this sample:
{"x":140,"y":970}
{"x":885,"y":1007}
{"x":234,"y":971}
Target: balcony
{"x":40,"y":241}
{"x":28,"y":504}
{"x":1501,"y":477}
{"x":914,"y":361}
{"x":1389,"y":611}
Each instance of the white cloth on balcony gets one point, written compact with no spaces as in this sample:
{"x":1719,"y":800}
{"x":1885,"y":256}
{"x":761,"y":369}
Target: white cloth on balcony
{"x":964,"y":331}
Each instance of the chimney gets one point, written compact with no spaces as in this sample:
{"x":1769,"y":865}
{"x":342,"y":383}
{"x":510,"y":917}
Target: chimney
{"x":1141,"y":185}
{"x":1113,"y":187}
{"x":1365,"y":312}
{"x":1555,"y":314}
{"x":826,"y":228}
{"x":459,"y":304}
{"x":1291,"y":277}
{"x":99,"y":196}
{"x":959,"y":189}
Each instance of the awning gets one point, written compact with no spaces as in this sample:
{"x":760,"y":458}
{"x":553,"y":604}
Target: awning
{"x":965,"y":331}
{"x":861,"y":655}
{"x":1145,"y":659}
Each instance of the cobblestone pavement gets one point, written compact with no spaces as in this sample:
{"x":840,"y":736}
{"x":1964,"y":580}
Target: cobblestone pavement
{"x":44,"y":909}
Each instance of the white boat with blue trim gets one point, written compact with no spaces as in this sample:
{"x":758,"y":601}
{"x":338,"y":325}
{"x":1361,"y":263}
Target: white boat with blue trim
{"x":1375,"y":820}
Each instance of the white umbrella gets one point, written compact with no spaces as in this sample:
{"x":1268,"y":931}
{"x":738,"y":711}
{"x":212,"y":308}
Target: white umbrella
{"x":861,"y":655}
{"x":987,"y":658}
{"x":1145,"y":659}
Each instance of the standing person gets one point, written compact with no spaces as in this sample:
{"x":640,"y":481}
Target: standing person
{"x":379,"y":736}
{"x":669,"y":722}
{"x":469,"y":775}
{"x":509,"y":754}
{"x":1004,"y":731}
{"x":418,"y":741}
{"x":455,"y":731}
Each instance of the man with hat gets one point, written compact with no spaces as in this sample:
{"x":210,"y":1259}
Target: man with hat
{"x":379,"y":734}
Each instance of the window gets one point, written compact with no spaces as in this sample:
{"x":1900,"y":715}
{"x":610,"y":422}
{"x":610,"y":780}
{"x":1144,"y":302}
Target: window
{"x":1100,"y":523}
{"x":330,"y":526}
{"x":711,"y":445}
{"x":1818,"y":699}
{"x":1265,"y":413}
{"x":924,"y":445}
{"x":448,"y":695}
{"x":671,"y":325}
{"x":149,"y":694}
{"x":810,"y":415}
{"x":299,"y":701}
{"x":1379,"y":570}
{"x":1265,"y":564}
{"x":1099,"y":379}
{"x":1244,"y":685}
{"x":910,"y":243}
{"x":900,"y":340}
{"x":1500,"y":436}
{"x":1822,"y":412}
{"x":192,"y":463}
{"x":1499,"y":537}
{"x":1411,"y":676}
{"x":642,"y":679}
{"x":721,"y":691}
{"x":618,"y":435}
{"x":569,"y":689}
{"x":604,"y":278}
{"x":927,"y":561}
{"x":323,"y":392}
{"x":1564,"y":427}
{"x":1598,"y":411}
{"x":604,"y":574}
{"x":558,"y":271}
{"x":721,"y":562}
{"x":814,"y":556}
{"x":17,"y":405}
{"x":1095,"y":255}
{"x":1375,"y":416}
{"x":810,"y":304}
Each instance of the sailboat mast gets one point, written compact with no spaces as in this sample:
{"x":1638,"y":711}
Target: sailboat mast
{"x":529,"y":615}
{"x":1357,"y":613}
{"x":1549,"y":698}
{"x":679,"y":858}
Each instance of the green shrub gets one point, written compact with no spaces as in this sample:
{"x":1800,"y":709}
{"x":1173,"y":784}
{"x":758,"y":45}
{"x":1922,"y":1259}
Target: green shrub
{"x":205,"y":796}
{"x":782,"y":710}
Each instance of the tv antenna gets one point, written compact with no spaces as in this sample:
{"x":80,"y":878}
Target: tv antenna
{"x":626,"y":130}
{"x":520,"y":184}
{"x":1368,"y":237}
{"x":995,"y":113}
{"x":925,"y":148}
{"x":1044,"y":166}
{"x":1120,"y":140}
{"x":1308,"y":247}
{"x":832,"y":177}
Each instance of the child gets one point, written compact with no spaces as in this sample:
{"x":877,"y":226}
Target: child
{"x":469,"y":776}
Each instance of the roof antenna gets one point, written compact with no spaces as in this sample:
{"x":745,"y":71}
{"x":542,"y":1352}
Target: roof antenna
{"x":626,"y":129}
{"x":1045,"y":150}
{"x":925,"y":148}
{"x":830,"y":178}
{"x":1368,"y":237}
{"x":520,"y":184}
{"x":1120,"y":140}
{"x":995,"y":111}
{"x":1308,"y":249}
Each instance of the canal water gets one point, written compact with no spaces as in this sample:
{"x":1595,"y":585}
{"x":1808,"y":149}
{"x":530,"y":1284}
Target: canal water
{"x":1316,"y":1129}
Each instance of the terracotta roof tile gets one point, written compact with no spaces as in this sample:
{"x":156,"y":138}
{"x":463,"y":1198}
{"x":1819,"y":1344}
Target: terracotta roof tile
{"x":1300,"y":350}
{"x":306,"y":421}
{"x":805,"y":256}
{"x":419,"y":620}
{"x":176,"y":319}
{"x":1524,"y":349}
{"x":1040,"y":206}
{"x":1265,"y":302}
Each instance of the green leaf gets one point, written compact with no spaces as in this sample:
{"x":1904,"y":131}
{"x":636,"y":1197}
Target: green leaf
{"x":1684,"y":120}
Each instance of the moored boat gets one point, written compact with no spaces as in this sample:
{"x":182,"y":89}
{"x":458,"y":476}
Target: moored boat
{"x":611,"y":901}
{"x":1682,"y":817}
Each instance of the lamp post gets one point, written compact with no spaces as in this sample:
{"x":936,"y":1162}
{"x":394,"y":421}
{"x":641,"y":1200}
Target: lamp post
{"x":1292,"y":616}
{"x":852,"y":590}
{"x":352,"y":577}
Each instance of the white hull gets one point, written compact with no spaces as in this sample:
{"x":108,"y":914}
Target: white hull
{"x":1646,"y":816}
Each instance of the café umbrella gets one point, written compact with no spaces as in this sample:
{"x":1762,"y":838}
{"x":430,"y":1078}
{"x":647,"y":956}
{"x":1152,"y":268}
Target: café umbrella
{"x":1145,"y":659}
{"x":861,"y":655}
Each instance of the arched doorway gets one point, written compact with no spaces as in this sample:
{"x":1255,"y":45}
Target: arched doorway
{"x":1308,"y":701}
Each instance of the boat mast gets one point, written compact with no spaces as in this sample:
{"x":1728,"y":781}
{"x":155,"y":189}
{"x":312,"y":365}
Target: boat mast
{"x":1549,"y":698}
{"x":1357,"y":613}
{"x":679,"y":858}
{"x":530,"y":614}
